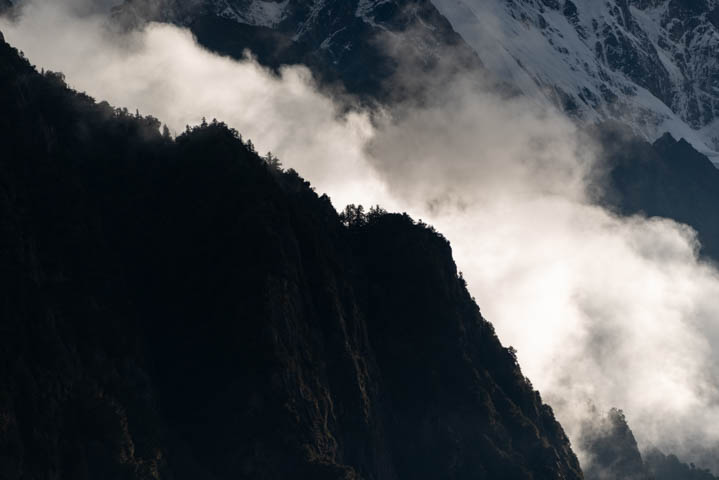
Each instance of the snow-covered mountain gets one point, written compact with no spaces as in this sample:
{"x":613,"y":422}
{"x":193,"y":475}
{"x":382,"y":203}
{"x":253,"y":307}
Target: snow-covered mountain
{"x":651,"y":64}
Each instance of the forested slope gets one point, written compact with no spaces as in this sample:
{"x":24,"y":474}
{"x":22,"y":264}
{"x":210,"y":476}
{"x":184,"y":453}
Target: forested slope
{"x":183,"y":309}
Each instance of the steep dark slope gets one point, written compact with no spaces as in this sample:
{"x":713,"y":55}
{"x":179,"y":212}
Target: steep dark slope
{"x":179,"y":309}
{"x":449,"y":380}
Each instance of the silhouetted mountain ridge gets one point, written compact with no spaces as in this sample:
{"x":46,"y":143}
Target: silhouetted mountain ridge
{"x":181,"y":309}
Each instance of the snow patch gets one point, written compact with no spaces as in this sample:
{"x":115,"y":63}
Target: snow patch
{"x":263,"y":13}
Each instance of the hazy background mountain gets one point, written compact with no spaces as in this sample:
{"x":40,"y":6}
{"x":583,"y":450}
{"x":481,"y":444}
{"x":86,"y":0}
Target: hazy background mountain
{"x":615,"y":454}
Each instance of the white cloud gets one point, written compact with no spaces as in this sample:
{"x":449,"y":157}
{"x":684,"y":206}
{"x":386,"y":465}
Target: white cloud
{"x":162,"y":71}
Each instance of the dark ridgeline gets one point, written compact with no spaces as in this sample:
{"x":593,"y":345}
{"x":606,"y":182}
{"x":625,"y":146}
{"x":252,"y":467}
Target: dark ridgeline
{"x":180,"y":309}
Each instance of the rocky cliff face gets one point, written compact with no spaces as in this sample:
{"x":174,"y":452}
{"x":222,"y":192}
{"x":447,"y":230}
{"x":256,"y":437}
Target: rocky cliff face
{"x":182,"y":309}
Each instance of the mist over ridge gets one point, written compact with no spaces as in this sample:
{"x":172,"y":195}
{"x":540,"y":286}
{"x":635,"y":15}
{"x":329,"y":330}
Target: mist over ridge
{"x":602,"y":309}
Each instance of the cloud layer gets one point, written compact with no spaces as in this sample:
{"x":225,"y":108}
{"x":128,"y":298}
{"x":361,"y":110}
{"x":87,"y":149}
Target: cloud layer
{"x":604,"y":311}
{"x":612,"y":311}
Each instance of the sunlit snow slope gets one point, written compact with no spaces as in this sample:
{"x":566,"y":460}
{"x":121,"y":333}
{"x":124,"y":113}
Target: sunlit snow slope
{"x":650,"y":63}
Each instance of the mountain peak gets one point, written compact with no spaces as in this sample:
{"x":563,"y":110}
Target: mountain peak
{"x":665,"y":141}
